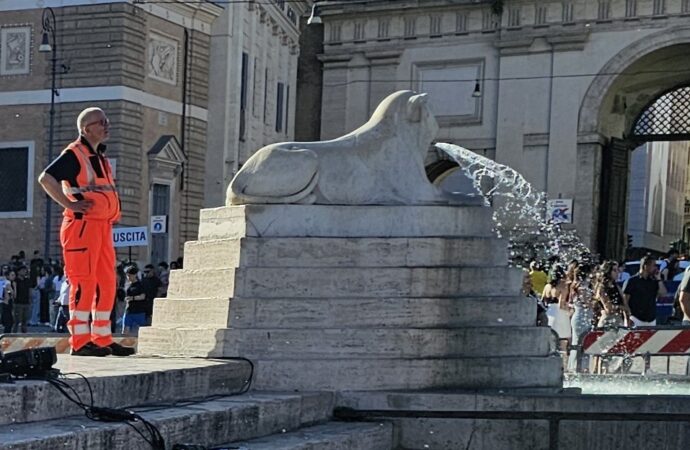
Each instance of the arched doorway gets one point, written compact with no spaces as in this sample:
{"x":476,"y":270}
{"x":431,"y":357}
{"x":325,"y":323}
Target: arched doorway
{"x":665,"y":118}
{"x":640,"y":96}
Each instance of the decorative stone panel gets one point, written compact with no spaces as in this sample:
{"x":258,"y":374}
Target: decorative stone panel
{"x":15,"y":50}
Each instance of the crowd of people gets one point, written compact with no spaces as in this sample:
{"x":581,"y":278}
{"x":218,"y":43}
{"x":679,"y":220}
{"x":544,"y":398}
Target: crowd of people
{"x":578,"y":297}
{"x":35,"y":293}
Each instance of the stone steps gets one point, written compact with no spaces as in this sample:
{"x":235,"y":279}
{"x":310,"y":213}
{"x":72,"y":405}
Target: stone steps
{"x":344,"y":312}
{"x":345,"y":252}
{"x":121,"y":382}
{"x":357,"y":343}
{"x":528,"y":420}
{"x":385,"y":374}
{"x":328,"y":436}
{"x":345,"y":282}
{"x":209,"y":423}
{"x":360,"y":297}
{"x":338,"y":221}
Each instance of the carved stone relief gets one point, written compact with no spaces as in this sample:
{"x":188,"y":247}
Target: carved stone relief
{"x":15,"y":50}
{"x":162,"y":58}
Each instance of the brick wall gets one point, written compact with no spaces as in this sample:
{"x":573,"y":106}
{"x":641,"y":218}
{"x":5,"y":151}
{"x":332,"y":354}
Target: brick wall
{"x":106,"y":45}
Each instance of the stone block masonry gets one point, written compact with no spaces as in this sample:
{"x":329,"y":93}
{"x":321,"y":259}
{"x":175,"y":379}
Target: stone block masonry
{"x":355,"y":297}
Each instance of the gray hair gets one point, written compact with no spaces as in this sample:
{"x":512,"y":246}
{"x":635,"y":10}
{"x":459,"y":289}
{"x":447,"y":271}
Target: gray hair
{"x":84,"y":116}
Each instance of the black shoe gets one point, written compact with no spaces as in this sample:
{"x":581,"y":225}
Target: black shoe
{"x":120,"y":350}
{"x":91,"y":349}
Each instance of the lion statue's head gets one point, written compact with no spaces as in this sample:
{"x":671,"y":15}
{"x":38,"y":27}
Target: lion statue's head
{"x":407,"y":114}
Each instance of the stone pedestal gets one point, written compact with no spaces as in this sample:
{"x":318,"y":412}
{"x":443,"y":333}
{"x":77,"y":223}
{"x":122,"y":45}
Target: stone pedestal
{"x":354,"y":297}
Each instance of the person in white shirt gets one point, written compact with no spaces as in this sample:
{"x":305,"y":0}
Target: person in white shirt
{"x":58,"y":279}
{"x":6,"y":319}
{"x":622,"y":274}
{"x":63,"y":308}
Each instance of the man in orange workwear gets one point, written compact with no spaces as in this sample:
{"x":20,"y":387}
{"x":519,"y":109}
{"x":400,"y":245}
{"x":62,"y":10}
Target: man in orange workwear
{"x":81,"y":181}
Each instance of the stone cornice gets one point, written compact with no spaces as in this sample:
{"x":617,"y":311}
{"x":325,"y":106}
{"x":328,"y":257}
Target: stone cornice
{"x":520,"y":42}
{"x":279,"y":17}
{"x":343,"y":12}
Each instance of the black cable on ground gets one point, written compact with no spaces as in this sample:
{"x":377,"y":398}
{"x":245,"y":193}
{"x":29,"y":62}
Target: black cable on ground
{"x":153,"y":436}
{"x":101,"y":414}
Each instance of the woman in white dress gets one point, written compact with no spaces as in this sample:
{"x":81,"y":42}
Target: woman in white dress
{"x":555,"y":295}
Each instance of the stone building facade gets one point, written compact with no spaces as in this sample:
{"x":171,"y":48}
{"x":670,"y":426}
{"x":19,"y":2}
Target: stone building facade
{"x":254,"y":85}
{"x":147,"y":66}
{"x":658,"y":181}
{"x":551,"y":88}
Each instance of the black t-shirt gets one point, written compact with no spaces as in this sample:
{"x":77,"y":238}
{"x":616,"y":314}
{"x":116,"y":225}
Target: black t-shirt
{"x":642,"y":293}
{"x":22,"y":295}
{"x":136,"y":306}
{"x":614,"y":295}
{"x":151,"y":285}
{"x":35,"y":270}
{"x":66,"y":166}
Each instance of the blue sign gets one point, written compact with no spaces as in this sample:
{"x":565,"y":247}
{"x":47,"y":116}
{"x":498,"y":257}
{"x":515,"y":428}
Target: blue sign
{"x":130,"y":237}
{"x":159,"y":224}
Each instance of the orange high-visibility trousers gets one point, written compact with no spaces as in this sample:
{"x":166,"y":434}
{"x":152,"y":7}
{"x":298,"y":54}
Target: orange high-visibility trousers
{"x":87,"y":248}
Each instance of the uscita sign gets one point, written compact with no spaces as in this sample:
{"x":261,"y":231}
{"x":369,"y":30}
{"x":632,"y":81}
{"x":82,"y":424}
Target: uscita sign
{"x":130,"y":237}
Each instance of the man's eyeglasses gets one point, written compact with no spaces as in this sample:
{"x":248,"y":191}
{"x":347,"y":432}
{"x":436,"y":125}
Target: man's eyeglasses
{"x":102,"y":122}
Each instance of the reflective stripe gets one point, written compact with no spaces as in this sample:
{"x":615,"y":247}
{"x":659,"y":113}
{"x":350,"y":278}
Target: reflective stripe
{"x":82,"y":155}
{"x":84,"y":162}
{"x":81,"y":328}
{"x":82,"y":316}
{"x":101,"y":315}
{"x":92,"y":188}
{"x":101,"y":331}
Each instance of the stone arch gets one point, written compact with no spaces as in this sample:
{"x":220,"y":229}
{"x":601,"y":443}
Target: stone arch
{"x":589,"y":118}
{"x":624,"y":87}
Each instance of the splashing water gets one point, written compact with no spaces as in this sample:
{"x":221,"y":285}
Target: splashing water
{"x":519,"y":210}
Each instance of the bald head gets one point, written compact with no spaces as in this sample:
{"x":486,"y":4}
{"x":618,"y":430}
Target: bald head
{"x":87,"y":116}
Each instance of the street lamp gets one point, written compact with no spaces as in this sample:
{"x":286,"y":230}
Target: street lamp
{"x":314,"y":18}
{"x":49,"y":45}
{"x":477,"y":90}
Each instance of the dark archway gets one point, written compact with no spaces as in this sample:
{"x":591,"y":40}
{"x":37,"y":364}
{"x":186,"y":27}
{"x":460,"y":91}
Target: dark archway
{"x":664,"y":118}
{"x":625,"y":86}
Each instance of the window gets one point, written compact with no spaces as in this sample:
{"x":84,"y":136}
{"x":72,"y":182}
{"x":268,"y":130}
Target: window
{"x":334,"y":33}
{"x":359,"y":31}
{"x":384,"y":25}
{"x":604,"y":11}
{"x":243,"y":95}
{"x":160,"y":206}
{"x":255,"y":89}
{"x":266,"y":96}
{"x":514,"y":17}
{"x":540,"y":14}
{"x":410,"y":27}
{"x":659,"y":7}
{"x":630,"y":8}
{"x":292,"y":15}
{"x":16,"y":179}
{"x":435,"y":25}
{"x":287,"y":108}
{"x":279,"y":106}
{"x":568,"y":12}
{"x":685,"y":8}
{"x":461,"y":22}
{"x":489,"y":20}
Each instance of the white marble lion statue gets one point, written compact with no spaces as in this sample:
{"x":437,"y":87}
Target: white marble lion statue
{"x":380,"y":163}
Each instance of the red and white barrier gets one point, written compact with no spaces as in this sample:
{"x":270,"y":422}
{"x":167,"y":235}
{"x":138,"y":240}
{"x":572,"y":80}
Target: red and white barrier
{"x":625,"y":341}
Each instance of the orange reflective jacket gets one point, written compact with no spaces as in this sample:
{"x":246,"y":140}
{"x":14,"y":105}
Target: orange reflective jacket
{"x":101,"y":191}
